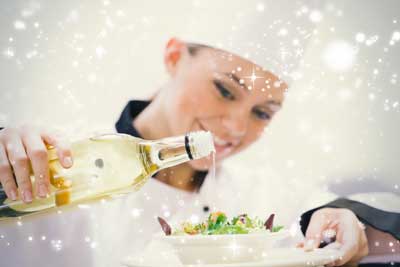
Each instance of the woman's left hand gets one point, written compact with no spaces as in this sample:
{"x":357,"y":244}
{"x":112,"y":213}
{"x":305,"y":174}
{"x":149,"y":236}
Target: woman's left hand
{"x":351,"y":239}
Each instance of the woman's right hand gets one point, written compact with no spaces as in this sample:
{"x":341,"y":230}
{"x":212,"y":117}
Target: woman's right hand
{"x":22,"y":149}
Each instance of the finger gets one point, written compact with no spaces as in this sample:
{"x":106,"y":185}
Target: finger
{"x":348,"y":252}
{"x":348,"y":238}
{"x":63,"y":150}
{"x":37,"y":153}
{"x":317,"y":225}
{"x":334,"y":245}
{"x":20,"y":164}
{"x":6,"y":175}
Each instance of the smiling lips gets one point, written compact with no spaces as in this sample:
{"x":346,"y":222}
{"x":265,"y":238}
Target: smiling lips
{"x":224,"y":147}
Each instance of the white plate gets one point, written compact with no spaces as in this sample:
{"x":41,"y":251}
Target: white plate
{"x":212,"y":249}
{"x":216,"y":240}
{"x":282,"y":257}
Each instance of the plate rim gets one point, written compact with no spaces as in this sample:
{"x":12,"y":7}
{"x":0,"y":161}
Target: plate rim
{"x":258,"y":263}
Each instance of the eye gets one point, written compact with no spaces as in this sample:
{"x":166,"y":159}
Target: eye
{"x":261,"y":114}
{"x":224,"y":92}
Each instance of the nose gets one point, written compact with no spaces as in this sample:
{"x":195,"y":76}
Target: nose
{"x":236,"y":123}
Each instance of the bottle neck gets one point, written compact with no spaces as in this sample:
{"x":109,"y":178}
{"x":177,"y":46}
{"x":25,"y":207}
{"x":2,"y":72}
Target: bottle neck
{"x":171,"y":151}
{"x":168,"y":152}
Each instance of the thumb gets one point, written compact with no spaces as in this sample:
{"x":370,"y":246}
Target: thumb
{"x":63,"y":151}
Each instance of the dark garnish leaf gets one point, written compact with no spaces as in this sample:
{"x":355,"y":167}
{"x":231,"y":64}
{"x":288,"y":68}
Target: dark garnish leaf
{"x":165,"y":226}
{"x":269,"y":223}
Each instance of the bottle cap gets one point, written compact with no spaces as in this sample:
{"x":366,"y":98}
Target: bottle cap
{"x":201,"y":144}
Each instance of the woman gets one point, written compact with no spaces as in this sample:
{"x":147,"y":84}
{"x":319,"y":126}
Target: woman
{"x":209,"y":89}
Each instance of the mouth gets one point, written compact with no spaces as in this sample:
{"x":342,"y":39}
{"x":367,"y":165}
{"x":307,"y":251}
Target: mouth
{"x":222,"y":146}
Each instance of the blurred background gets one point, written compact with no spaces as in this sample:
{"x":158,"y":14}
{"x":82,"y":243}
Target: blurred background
{"x":74,"y":64}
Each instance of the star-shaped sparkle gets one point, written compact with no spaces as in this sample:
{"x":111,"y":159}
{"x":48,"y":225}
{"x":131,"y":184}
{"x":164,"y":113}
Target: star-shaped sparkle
{"x":253,"y":77}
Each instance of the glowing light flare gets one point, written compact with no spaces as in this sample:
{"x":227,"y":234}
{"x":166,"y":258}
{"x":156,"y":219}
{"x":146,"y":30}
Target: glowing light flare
{"x":253,"y":77}
{"x":339,"y":56}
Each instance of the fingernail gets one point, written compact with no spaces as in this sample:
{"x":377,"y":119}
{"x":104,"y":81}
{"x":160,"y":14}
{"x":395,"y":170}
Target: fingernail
{"x":42,"y":190}
{"x":27,"y":196}
{"x":13,"y":194}
{"x":68,"y":161}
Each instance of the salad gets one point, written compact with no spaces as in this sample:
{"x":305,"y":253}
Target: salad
{"x":219,"y":224}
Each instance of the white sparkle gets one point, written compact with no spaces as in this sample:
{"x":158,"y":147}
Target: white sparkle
{"x":57,"y":245}
{"x":73,"y":16}
{"x":260,"y":7}
{"x":30,"y":238}
{"x":92,"y":78}
{"x":315,"y":16}
{"x":167,"y":214}
{"x":277,"y":84}
{"x":43,"y":237}
{"x":100,"y":52}
{"x":283,"y":32}
{"x":31,"y":54}
{"x":372,"y":40}
{"x":19,"y":25}
{"x":360,"y":37}
{"x":93,"y":245}
{"x":136,"y":212}
{"x":344,"y":94}
{"x":290,"y":164}
{"x":304,"y":9}
{"x":9,"y":52}
{"x":120,"y":13}
{"x":339,"y":56}
{"x":253,"y":77}
{"x":327,"y":148}
{"x":371,"y":96}
{"x":194,"y":219}
{"x":396,"y":36}
{"x":234,"y":247}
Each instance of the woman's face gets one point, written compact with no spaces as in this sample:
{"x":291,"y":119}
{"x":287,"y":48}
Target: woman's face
{"x":221,"y":93}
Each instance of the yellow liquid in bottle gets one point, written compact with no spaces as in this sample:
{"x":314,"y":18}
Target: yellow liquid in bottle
{"x":102,"y":166}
